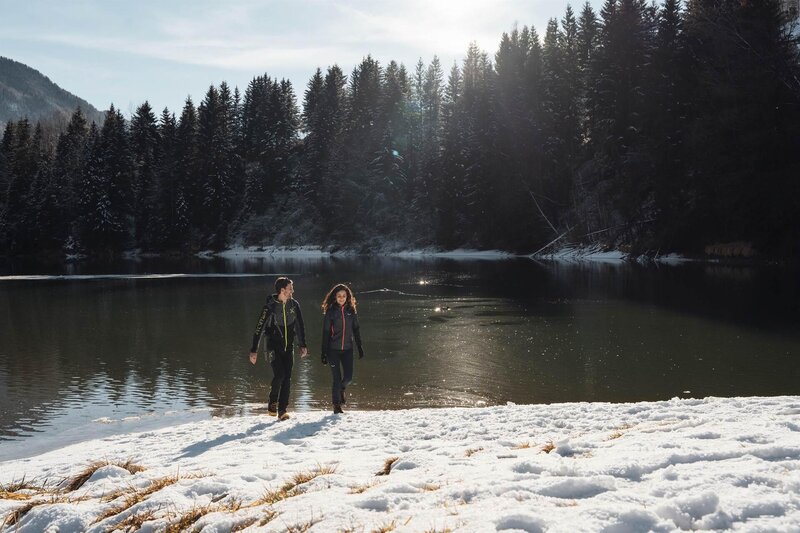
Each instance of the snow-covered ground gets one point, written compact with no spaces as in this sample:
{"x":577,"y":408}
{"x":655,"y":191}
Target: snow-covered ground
{"x":711,"y":464}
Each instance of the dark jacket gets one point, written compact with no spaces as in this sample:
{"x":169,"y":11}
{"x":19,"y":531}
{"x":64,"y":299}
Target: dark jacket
{"x":281,"y":323}
{"x":339,"y":329}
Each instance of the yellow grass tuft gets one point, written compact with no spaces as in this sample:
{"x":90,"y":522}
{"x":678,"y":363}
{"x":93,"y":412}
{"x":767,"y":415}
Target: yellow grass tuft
{"x":473,"y":451}
{"x":619,"y":431}
{"x":522,"y":446}
{"x":82,"y":477}
{"x":133,"y":496}
{"x":135,"y":521}
{"x":387,"y":466}
{"x":13,"y":496}
{"x":358,"y":489}
{"x":303,"y":527}
{"x":269,"y":517}
{"x":188,"y":518}
{"x":429,"y":487}
{"x":13,"y":518}
{"x":568,"y":503}
{"x":9,"y":491}
{"x":292,"y":487}
{"x":244,"y":524}
{"x":386,"y":528}
{"x":548,"y":447}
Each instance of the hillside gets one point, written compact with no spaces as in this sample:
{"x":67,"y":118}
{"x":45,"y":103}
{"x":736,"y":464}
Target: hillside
{"x":25,"y":92}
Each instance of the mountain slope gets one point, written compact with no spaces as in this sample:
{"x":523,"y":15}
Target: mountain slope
{"x":25,"y":92}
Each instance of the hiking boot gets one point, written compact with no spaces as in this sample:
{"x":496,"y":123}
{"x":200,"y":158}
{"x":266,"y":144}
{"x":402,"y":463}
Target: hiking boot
{"x":272,"y":409}
{"x":337,"y":409}
{"x":283,"y":415}
{"x":344,"y":397}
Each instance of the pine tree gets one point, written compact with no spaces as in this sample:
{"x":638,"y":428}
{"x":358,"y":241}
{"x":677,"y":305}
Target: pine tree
{"x":448,"y":187}
{"x":744,"y":123}
{"x":215,"y":150}
{"x":187,"y":191}
{"x":67,"y":172}
{"x":113,"y":223}
{"x":314,"y":151}
{"x":145,"y":144}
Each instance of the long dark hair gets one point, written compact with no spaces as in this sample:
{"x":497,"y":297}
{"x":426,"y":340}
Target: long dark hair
{"x":330,"y":298}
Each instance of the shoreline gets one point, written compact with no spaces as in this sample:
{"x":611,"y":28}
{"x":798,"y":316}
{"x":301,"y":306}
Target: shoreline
{"x":565,"y":254}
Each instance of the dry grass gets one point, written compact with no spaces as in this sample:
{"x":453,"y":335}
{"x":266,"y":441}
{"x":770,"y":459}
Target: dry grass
{"x":133,"y":496}
{"x":303,"y":527}
{"x":568,"y":503}
{"x":292,"y":487}
{"x":358,"y":489}
{"x":619,"y":431}
{"x":77,"y":482}
{"x":13,"y":518}
{"x":387,"y":466}
{"x":473,"y":451}
{"x":385,"y":528}
{"x":429,"y":487}
{"x":12,"y":490}
{"x":135,"y":521}
{"x":14,"y":496}
{"x":548,"y":447}
{"x":187,"y":519}
{"x":244,"y":524}
{"x":522,"y":446}
{"x":434,"y":530}
{"x":270,"y":516}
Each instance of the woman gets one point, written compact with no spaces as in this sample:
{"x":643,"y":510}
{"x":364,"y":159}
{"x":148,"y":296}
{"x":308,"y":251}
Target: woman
{"x":339,"y":330}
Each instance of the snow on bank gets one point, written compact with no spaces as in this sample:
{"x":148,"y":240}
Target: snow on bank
{"x":708,"y":464}
{"x":585,"y":253}
{"x":455,"y":254}
{"x":601,"y":255}
{"x":270,"y":251}
{"x":319,"y":251}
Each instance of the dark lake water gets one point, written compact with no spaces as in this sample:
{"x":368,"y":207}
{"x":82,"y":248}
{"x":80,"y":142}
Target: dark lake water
{"x":88,"y":356}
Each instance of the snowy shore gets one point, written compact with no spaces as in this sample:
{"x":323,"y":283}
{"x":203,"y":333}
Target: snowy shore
{"x":711,"y":464}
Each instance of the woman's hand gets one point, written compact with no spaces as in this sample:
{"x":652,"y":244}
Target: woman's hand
{"x":253,"y":357}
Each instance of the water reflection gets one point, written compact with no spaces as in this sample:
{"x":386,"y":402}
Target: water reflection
{"x":77,"y":353}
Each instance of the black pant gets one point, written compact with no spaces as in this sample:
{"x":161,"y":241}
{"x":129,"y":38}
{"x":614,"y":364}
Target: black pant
{"x":281,"y":362}
{"x":340,"y":360}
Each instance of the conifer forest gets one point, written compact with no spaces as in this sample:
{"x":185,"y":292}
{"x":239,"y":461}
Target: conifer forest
{"x":655,"y":127}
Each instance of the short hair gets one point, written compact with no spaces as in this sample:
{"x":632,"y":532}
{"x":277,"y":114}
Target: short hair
{"x":281,"y":283}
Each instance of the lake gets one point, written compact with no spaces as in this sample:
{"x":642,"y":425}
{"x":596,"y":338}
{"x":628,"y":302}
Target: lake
{"x":87,"y":354}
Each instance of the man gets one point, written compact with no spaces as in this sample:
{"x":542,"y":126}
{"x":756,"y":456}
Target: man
{"x":281,"y":320}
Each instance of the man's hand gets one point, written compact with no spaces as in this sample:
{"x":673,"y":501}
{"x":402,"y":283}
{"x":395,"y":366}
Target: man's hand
{"x":253,"y":357}
{"x":324,"y":359}
{"x":303,"y":352}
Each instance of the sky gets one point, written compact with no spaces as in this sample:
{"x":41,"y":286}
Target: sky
{"x":110,"y":51}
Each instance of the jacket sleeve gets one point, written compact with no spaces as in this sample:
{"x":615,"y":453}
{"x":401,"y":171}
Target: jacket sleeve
{"x":299,"y":326}
{"x":262,"y":320}
{"x":357,"y":333}
{"x":326,"y":333}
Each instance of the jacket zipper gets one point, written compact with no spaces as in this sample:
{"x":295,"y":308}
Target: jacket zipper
{"x":344,"y":328}
{"x":285,"y":329}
